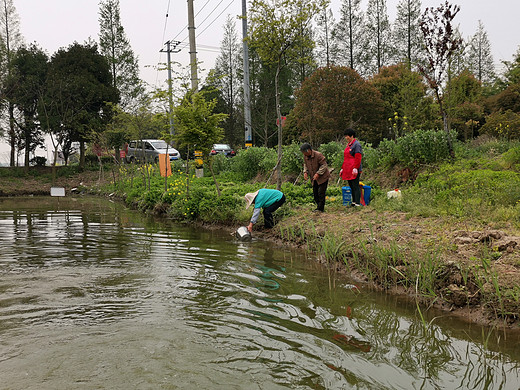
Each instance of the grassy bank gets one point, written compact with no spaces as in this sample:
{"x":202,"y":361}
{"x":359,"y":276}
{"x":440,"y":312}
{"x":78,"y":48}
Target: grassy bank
{"x":451,"y":241}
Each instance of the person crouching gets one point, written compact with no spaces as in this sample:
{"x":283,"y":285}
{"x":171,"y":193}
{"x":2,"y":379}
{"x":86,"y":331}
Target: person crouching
{"x":267,"y":200}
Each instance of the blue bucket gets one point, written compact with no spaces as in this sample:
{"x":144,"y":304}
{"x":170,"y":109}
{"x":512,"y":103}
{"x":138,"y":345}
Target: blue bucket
{"x":347,"y":195}
{"x":366,"y":195}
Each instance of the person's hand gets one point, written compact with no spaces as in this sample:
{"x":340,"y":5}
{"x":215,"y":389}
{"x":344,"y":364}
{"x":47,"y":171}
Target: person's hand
{"x":355,"y":171}
{"x":340,"y":171}
{"x":315,"y":177}
{"x":305,"y":176}
{"x":250,"y":228}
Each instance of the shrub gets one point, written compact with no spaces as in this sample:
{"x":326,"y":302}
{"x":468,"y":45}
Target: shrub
{"x":39,"y":161}
{"x":503,"y":124}
{"x":252,"y":161}
{"x":333,"y":152}
{"x":292,"y":159}
{"x":512,"y":157}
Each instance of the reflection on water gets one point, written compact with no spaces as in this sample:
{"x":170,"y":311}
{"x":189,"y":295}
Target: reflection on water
{"x":97,"y":296}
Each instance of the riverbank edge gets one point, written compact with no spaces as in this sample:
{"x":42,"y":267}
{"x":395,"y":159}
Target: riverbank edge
{"x":367,"y":233}
{"x":461,"y":304}
{"x":363,"y":234}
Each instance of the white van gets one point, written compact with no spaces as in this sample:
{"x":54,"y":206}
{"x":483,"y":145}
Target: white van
{"x":149,"y":150}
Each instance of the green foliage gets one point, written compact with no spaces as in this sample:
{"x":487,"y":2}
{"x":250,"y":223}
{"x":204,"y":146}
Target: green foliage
{"x":333,"y":152}
{"x":419,"y":147}
{"x":197,"y":125}
{"x":512,"y":157}
{"x":407,"y":106}
{"x":221,"y":163}
{"x":292,"y":160}
{"x":253,"y":161}
{"x":115,"y":46}
{"x":503,"y":124}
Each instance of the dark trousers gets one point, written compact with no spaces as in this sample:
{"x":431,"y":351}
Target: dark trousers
{"x":319,"y":191}
{"x":269,"y":210}
{"x":356,"y":191}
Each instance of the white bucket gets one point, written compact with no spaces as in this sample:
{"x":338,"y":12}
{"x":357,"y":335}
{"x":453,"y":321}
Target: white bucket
{"x":243,"y":234}
{"x":394,"y":194}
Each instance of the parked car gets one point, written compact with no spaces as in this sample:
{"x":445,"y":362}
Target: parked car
{"x":149,"y":150}
{"x":222,"y":149}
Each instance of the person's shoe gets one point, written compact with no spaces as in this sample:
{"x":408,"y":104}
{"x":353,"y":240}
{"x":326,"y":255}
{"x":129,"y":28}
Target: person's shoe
{"x":317,"y":211}
{"x":355,"y":205}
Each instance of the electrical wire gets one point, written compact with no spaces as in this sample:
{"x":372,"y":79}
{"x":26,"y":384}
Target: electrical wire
{"x":213,"y":21}
{"x":162,"y":43}
{"x":218,"y":16}
{"x":185,"y":27}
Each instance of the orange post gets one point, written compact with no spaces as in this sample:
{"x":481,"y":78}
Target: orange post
{"x":164,"y":165}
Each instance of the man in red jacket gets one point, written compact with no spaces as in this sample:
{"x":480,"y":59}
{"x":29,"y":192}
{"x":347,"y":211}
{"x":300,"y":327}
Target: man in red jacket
{"x":351,"y":168}
{"x":315,"y":168}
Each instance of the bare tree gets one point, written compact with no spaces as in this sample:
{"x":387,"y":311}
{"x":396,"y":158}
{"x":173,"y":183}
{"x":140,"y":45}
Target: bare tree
{"x":441,"y":42}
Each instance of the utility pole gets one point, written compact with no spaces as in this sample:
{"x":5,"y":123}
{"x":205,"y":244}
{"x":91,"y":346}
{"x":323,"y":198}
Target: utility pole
{"x":247,"y":93}
{"x":170,"y":50}
{"x":193,"y":50}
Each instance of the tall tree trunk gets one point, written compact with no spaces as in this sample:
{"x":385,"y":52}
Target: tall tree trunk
{"x":279,"y":115}
{"x":12,"y":135}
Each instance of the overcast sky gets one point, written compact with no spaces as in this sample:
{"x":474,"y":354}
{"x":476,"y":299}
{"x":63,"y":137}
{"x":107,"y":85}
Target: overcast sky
{"x":58,"y":23}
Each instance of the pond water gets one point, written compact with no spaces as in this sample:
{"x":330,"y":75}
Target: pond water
{"x":93,"y":295}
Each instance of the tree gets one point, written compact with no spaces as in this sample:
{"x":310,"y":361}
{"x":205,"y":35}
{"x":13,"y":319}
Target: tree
{"x":10,"y":40}
{"x":349,"y":42}
{"x":324,"y":26}
{"x":333,"y":99}
{"x":509,"y":99}
{"x":276,"y":35}
{"x":512,"y":74}
{"x":304,"y":63}
{"x":25,"y":88}
{"x":378,"y":33}
{"x":407,"y":38}
{"x":198,"y":126}
{"x":407,"y":108}
{"x":440,"y":44}
{"x":503,"y":124}
{"x":479,"y":57}
{"x":78,"y":91}
{"x":115,"y":46}
{"x":263,"y":99}
{"x":463,"y":97}
{"x":227,"y":78}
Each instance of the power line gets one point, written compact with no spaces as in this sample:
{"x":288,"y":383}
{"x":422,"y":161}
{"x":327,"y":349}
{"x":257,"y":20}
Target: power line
{"x":231,"y":2}
{"x":185,"y":27}
{"x":162,"y":40}
{"x":213,"y":21}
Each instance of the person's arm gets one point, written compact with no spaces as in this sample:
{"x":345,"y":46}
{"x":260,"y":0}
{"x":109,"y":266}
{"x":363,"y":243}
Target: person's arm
{"x":322,"y":163}
{"x":357,"y":160}
{"x":254,"y":218}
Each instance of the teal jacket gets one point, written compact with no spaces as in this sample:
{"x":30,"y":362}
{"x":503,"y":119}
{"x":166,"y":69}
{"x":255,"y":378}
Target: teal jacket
{"x":265,"y":198}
